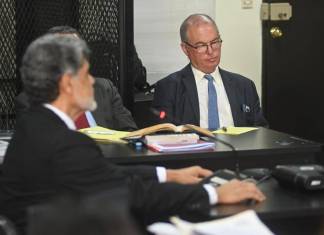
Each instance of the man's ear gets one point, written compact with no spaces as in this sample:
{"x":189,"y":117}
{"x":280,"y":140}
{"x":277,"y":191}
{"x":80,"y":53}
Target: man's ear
{"x":65,"y":84}
{"x":184,"y":48}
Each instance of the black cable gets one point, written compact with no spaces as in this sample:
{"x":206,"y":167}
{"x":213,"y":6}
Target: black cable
{"x":235,"y":154}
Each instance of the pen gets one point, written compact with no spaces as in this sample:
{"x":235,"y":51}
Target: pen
{"x":100,"y":132}
{"x":264,"y":178}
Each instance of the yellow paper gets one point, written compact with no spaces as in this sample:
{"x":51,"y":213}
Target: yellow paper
{"x":102,"y":134}
{"x":231,"y":130}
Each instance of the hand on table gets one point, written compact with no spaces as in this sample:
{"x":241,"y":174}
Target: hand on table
{"x":237,"y":191}
{"x":188,"y":175}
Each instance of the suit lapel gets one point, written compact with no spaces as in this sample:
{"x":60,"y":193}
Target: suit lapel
{"x":230,"y":88}
{"x":191,"y":89}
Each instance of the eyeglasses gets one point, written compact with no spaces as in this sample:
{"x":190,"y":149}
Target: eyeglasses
{"x":202,"y":47}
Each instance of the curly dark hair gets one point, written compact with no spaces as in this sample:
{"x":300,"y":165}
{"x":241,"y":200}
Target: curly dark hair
{"x":46,"y":60}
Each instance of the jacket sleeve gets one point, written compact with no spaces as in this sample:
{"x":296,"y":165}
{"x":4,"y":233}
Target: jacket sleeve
{"x":153,"y":202}
{"x":81,"y":169}
{"x":142,"y":171}
{"x":122,"y":116}
{"x":79,"y":166}
{"x":258,"y":118}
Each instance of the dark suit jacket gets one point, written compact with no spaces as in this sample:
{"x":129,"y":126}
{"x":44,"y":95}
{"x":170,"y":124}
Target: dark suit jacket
{"x":45,"y":159}
{"x":177,"y":96}
{"x":110,"y":112}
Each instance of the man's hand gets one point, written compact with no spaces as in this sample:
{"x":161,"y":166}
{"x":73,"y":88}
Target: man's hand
{"x":236,"y":191}
{"x":189,"y":175}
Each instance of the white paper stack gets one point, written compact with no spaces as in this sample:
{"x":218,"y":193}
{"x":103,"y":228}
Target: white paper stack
{"x":245,"y":223}
{"x":183,"y":138}
{"x":200,"y":145}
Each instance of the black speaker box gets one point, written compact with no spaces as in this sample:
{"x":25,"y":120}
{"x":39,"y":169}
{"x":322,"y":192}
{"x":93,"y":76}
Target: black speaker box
{"x":307,"y":177}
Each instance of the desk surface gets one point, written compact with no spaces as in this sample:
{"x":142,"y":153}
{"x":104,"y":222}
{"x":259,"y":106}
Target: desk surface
{"x":285,"y":211}
{"x":255,"y":146}
{"x":281,"y":202}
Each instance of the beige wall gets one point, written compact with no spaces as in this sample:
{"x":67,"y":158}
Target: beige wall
{"x":156,"y":27}
{"x":242,"y":34}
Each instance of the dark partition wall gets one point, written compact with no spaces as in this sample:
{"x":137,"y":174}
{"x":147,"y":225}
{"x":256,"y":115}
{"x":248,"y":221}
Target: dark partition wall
{"x":7,"y":63}
{"x":102,"y":23}
{"x":99,"y":25}
{"x":35,"y":17}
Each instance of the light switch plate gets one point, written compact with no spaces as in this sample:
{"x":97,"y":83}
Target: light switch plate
{"x":247,"y":4}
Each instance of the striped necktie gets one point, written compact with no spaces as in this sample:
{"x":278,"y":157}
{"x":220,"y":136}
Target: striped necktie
{"x":213,"y":119}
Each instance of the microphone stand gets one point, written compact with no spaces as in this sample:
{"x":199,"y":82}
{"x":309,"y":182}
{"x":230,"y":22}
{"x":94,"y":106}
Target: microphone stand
{"x":210,"y":135}
{"x":235,"y":154}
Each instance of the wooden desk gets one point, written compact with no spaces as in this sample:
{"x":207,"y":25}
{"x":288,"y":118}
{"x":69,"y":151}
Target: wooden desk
{"x":260,"y":148}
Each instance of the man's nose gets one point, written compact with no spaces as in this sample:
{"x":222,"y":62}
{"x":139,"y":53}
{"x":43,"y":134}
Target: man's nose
{"x":209,"y":50}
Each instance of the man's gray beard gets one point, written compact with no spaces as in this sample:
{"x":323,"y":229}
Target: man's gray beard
{"x":93,"y":106}
{"x":88,"y":105}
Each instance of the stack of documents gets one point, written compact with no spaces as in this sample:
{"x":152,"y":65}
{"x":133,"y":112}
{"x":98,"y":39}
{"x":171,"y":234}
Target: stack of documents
{"x":200,"y":145}
{"x":182,"y":138}
{"x":245,"y":223}
{"x":102,"y":134}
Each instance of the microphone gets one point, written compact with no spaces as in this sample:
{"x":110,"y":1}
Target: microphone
{"x":161,"y":116}
{"x":157,"y":113}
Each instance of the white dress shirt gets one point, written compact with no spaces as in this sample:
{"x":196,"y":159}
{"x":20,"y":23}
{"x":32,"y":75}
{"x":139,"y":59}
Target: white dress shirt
{"x":224,"y":108}
{"x":90,"y":119}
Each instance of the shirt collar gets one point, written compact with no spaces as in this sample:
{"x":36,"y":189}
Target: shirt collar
{"x":199,"y":75}
{"x":63,"y":116}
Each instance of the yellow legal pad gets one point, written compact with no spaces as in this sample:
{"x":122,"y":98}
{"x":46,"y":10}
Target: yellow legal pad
{"x":102,"y":134}
{"x":231,"y":130}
